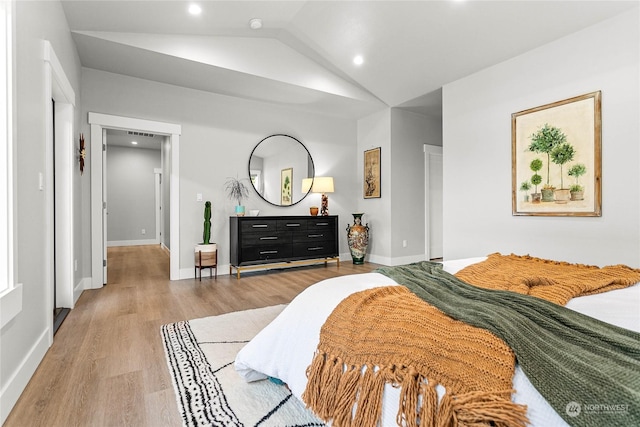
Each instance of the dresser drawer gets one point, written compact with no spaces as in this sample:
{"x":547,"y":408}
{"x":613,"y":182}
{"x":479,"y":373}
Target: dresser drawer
{"x":258,"y":225}
{"x":291,"y":225}
{"x":267,"y":237}
{"x":317,"y":224}
{"x":314,"y":249}
{"x":266,"y":253}
{"x":321,"y":235}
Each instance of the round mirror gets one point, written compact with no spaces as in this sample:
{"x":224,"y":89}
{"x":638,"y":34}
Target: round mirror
{"x":277,"y":166}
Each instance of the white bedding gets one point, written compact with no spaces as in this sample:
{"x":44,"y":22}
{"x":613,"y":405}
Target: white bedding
{"x":286,"y":346}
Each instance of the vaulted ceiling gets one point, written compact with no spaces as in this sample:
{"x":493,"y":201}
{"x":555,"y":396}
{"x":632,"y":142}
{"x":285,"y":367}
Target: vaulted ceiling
{"x":303,"y":54}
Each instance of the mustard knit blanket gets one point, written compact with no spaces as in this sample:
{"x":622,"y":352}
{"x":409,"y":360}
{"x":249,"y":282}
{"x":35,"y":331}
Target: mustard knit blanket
{"x":555,"y":281}
{"x":402,"y":340}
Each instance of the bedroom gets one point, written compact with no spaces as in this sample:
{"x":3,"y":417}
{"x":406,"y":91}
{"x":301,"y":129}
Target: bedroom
{"x":604,"y":56}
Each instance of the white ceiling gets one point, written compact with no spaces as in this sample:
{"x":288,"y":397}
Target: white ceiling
{"x":303,"y":54}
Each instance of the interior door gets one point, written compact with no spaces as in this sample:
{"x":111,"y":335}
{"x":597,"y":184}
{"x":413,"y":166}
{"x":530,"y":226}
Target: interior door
{"x":104,"y":205}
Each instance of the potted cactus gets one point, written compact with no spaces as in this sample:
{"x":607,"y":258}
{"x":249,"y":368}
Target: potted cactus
{"x":206,"y":253}
{"x":206,"y":234}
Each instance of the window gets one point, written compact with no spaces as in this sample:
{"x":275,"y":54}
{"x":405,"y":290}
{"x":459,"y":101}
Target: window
{"x":10,"y":294}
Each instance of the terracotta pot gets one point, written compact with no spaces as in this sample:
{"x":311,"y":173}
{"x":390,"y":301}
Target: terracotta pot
{"x":562,"y":195}
{"x":577,"y":195}
{"x":536,"y":197}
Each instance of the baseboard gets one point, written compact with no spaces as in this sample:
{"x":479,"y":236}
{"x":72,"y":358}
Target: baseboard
{"x":84,"y":283}
{"x":132,"y":242}
{"x":18,"y":382}
{"x":388,"y":261}
{"x":407,"y":259}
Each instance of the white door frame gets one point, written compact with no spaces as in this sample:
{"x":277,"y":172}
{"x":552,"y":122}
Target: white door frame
{"x":99,"y":121}
{"x":429,"y":151}
{"x":58,"y":88}
{"x":158,"y":202}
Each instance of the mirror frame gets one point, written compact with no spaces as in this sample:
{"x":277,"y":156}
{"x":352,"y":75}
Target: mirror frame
{"x":310,"y":159}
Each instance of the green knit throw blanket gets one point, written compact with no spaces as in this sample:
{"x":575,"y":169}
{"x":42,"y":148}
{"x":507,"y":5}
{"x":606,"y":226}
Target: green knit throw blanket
{"x":569,"y":357}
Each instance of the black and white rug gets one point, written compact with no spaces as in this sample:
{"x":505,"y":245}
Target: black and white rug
{"x":209,"y":392}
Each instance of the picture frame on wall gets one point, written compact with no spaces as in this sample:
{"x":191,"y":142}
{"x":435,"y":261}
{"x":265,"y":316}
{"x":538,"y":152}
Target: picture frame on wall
{"x":286,"y":187}
{"x":557,"y":158}
{"x":372,"y":179}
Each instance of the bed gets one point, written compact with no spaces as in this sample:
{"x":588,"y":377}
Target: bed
{"x":286,"y":347}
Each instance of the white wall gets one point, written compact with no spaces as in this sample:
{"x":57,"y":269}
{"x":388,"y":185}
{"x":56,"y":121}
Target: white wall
{"x":375,"y":131}
{"x":477,"y":149}
{"x":399,"y":214}
{"x":218,"y":135}
{"x":409,"y":133}
{"x":131,"y":203}
{"x":25,"y":339}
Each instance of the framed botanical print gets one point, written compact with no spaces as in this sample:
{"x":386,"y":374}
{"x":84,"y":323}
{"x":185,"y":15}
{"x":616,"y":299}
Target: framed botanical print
{"x":286,"y":186}
{"x":372,"y":173}
{"x":556,"y":158}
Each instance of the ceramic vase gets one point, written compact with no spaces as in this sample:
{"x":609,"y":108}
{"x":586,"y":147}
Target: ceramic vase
{"x":358,"y":238}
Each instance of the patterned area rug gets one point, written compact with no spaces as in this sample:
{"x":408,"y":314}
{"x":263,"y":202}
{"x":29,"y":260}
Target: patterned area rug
{"x":209,"y":392}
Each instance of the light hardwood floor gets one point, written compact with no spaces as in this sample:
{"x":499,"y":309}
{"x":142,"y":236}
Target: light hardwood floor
{"x":107,"y":366}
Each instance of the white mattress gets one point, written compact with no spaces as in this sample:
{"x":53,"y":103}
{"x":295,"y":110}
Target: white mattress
{"x":285,"y":348}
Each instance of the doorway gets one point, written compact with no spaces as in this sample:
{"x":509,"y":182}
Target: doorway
{"x":99,"y":123}
{"x":133,"y":186}
{"x":59,"y":310}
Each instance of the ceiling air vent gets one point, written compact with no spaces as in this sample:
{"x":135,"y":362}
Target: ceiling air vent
{"x":148,"y":135}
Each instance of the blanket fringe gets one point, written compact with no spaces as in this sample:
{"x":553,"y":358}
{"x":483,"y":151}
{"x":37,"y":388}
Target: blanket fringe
{"x":351,"y":396}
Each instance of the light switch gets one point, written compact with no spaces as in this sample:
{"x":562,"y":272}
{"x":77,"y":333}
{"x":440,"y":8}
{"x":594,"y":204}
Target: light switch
{"x":199,"y":197}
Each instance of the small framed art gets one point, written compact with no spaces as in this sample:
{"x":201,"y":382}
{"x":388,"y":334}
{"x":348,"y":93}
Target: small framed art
{"x":372,"y":173}
{"x":286,"y":186}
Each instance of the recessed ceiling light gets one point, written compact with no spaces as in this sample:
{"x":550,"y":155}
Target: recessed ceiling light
{"x":358,"y":60}
{"x":134,"y":142}
{"x":255,"y":23}
{"x":194,"y":9}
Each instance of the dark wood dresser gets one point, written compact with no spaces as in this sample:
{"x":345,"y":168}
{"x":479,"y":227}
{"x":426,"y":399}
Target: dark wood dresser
{"x":277,"y":241}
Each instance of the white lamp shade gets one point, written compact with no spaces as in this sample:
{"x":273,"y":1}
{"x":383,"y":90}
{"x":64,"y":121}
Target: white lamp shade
{"x":322,"y":184}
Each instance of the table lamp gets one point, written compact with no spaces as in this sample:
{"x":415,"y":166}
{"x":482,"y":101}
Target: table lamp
{"x":319,"y":184}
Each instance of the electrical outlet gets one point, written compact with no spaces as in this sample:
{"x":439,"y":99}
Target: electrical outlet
{"x":404,"y":243}
{"x":198,"y":197}
{"x":144,"y":232}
